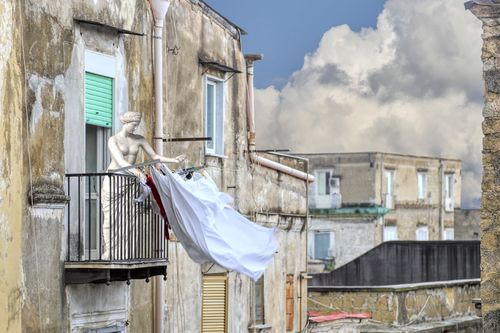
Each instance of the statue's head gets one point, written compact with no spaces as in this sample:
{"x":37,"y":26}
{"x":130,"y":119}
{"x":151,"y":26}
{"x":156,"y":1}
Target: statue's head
{"x":130,"y":117}
{"x":130,"y":120}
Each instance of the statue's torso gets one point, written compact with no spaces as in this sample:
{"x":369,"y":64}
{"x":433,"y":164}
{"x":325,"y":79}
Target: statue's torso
{"x":129,"y":148}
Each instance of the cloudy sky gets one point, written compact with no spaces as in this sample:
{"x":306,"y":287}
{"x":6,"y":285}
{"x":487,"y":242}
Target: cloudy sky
{"x":403,"y":77}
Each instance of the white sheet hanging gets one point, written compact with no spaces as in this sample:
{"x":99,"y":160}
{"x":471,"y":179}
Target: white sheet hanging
{"x":209,"y":229}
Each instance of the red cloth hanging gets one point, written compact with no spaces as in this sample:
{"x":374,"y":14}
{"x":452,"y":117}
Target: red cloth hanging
{"x":156,"y":196}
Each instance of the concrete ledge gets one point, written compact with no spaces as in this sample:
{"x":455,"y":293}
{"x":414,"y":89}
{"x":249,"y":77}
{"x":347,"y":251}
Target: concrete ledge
{"x":464,"y":324}
{"x":397,"y":287}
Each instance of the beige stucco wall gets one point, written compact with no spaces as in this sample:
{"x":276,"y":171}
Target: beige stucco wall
{"x":353,"y":236}
{"x":39,"y":60}
{"x":405,"y":178}
{"x":363,"y":181}
{"x":357,"y":172}
{"x":12,"y":171}
{"x":410,"y":212}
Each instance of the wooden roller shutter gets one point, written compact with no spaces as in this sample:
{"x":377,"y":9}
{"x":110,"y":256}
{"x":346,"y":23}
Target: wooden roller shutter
{"x":214,"y":304}
{"x":98,"y":100}
{"x":289,"y":302}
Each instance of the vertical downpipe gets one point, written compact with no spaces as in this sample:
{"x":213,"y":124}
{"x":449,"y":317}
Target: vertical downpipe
{"x":441,"y":200}
{"x":159,"y":9}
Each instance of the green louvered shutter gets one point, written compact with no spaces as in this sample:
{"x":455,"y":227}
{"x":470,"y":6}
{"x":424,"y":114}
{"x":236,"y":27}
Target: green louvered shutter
{"x":98,"y":100}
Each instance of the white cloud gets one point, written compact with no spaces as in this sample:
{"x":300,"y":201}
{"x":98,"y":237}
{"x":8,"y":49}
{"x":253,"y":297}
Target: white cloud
{"x":412,"y":85}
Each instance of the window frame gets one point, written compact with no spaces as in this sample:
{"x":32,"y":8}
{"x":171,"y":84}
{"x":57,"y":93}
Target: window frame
{"x":259,"y":310}
{"x":447,"y":233}
{"x":218,"y":116}
{"x":327,"y":190}
{"x":207,"y":279}
{"x":449,"y":179}
{"x":331,"y":244}
{"x":421,"y":229}
{"x":422,"y":185}
{"x":389,"y":190}
{"x":393,"y":229}
{"x":104,"y":65}
{"x":390,"y":187}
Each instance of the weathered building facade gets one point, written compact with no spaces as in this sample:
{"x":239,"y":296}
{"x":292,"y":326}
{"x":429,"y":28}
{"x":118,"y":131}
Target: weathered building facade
{"x":54,"y":54}
{"x":362,"y":199}
{"x":467,"y":224}
{"x":489,"y":13}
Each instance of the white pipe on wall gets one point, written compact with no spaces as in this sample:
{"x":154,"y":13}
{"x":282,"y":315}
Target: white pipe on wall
{"x":280,"y":167}
{"x":159,"y":9}
{"x":158,"y":74}
{"x":250,"y":59}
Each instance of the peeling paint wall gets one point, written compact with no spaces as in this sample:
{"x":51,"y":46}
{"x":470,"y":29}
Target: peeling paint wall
{"x":54,"y":44}
{"x":12,"y":168}
{"x":266,"y":196}
{"x":45,"y":56}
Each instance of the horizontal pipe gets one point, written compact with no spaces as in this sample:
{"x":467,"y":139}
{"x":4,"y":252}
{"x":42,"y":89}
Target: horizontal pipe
{"x":208,"y":138}
{"x":281,"y":168}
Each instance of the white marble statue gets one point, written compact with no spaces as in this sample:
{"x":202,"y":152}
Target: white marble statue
{"x":124,"y":148}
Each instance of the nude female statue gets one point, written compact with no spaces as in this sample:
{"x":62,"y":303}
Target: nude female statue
{"x":123,"y":147}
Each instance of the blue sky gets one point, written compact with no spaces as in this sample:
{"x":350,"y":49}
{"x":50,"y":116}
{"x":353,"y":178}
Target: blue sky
{"x":285,"y":30}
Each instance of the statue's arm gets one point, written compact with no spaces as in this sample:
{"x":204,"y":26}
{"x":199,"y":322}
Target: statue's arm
{"x":154,"y":156}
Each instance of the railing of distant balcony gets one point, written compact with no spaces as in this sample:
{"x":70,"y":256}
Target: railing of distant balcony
{"x":128,"y":231}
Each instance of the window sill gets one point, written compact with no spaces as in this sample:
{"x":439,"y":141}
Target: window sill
{"x":259,"y":328}
{"x":216,"y":155}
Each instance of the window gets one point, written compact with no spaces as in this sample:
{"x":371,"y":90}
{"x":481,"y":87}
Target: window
{"x":289,"y":302}
{"x":214,"y":116}
{"x":422,"y":233}
{"x":323,"y":182}
{"x":448,"y":187}
{"x":389,"y":189}
{"x":327,"y":190}
{"x":259,"y":301}
{"x":214,"y":303}
{"x":390,"y":233}
{"x":99,"y":111}
{"x":449,"y":234}
{"x":422,"y":185}
{"x":448,"y":192}
{"x":324,"y":245}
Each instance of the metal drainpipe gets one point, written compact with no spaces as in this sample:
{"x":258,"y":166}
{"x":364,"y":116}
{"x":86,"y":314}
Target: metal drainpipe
{"x":159,"y":9}
{"x":254,"y":158}
{"x":382,"y":200}
{"x":306,"y":230}
{"x":441,"y":200}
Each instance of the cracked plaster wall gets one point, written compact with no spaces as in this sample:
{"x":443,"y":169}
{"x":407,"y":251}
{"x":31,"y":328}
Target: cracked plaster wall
{"x":51,"y":136}
{"x":490,"y":201}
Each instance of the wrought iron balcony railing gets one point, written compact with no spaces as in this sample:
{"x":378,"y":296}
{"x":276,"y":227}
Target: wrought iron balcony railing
{"x":109,"y":228}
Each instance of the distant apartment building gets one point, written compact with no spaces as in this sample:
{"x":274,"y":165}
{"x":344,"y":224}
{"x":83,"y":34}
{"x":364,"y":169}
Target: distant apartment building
{"x":362,"y":199}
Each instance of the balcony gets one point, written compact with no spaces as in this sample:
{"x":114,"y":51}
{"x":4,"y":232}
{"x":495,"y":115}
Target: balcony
{"x":112,"y":236}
